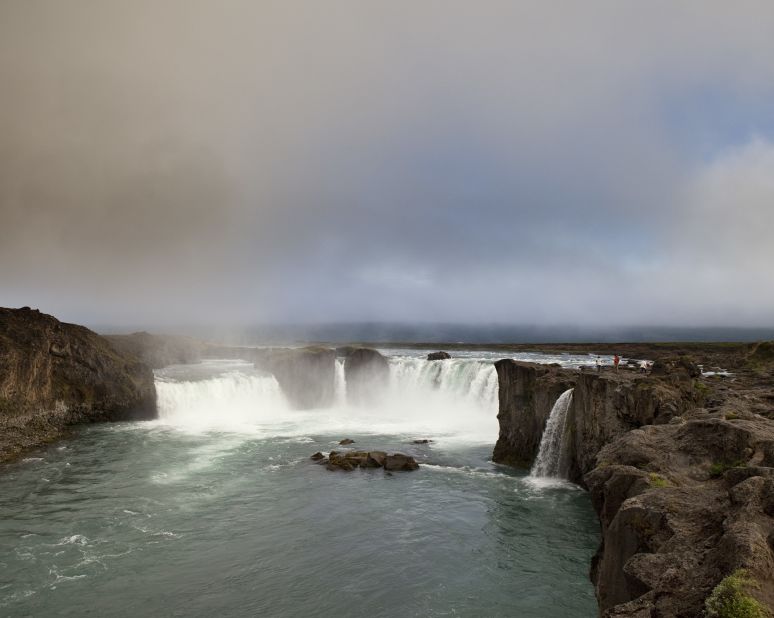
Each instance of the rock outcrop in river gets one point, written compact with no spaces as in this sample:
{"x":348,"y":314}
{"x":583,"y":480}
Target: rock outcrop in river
{"x":680,"y":469}
{"x":367,"y":373}
{"x":350,"y":460}
{"x":305,"y":375}
{"x":53,"y":375}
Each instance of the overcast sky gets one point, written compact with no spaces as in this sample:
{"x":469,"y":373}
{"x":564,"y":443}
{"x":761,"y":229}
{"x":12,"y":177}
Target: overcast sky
{"x":518,"y":162}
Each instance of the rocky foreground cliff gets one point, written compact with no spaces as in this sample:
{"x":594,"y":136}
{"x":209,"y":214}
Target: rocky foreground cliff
{"x":54,"y":375}
{"x":680,"y":467}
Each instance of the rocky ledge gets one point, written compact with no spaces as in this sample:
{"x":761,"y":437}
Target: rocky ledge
{"x":680,"y":468}
{"x":53,"y":375}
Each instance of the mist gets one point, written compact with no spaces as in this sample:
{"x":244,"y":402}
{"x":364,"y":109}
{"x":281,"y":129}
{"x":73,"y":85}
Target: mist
{"x":602,"y":165}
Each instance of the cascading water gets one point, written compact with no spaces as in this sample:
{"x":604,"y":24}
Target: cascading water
{"x":237,"y":397}
{"x":474,"y":382}
{"x":340,"y":383}
{"x":549,"y":459}
{"x":451,"y":399}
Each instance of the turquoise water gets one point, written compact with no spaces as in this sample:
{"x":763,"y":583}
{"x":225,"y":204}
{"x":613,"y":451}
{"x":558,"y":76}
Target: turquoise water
{"x":158,"y":519}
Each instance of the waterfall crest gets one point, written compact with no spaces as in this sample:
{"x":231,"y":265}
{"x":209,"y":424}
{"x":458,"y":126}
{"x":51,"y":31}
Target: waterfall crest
{"x":548,"y":462}
{"x":230,"y":399}
{"x":454,"y":399}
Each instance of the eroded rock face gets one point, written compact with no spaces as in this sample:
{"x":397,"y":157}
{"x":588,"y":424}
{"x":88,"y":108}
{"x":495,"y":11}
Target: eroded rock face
{"x":604,"y":407}
{"x":54,"y":374}
{"x":527,"y":392}
{"x":367,"y":373}
{"x":607,"y":406}
{"x":672,"y":527}
{"x":680,"y":471}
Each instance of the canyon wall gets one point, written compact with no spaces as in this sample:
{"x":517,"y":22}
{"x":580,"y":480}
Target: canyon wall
{"x":53,"y":375}
{"x":680,"y":470}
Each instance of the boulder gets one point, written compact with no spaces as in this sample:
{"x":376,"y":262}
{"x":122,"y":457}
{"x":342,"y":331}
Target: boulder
{"x":527,"y":392}
{"x":400,"y":462}
{"x":349,"y":460}
{"x":433,"y":356}
{"x":376,"y":459}
{"x":367,"y":373}
{"x":346,"y":441}
{"x":305,"y":375}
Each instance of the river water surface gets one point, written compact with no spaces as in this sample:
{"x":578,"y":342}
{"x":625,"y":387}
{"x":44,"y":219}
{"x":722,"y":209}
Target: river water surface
{"x":216,"y":510}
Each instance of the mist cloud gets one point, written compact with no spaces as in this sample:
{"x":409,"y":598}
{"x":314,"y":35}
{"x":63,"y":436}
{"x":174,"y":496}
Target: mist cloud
{"x":603,"y":163}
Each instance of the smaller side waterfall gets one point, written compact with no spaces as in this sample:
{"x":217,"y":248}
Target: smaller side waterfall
{"x":340,"y":383}
{"x":549,"y":457}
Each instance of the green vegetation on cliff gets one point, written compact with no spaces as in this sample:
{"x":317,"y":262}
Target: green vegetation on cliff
{"x":730,"y":598}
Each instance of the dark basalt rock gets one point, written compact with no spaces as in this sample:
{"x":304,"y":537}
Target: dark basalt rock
{"x":438,"y":356}
{"x":53,"y":375}
{"x":346,"y":441}
{"x":348,"y":461}
{"x":685,"y":496}
{"x":527,"y":392}
{"x":367,"y":373}
{"x":400,"y":462}
{"x":423,"y":441}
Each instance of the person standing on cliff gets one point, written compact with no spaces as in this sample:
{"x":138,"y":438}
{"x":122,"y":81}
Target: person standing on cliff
{"x":616,"y":360}
{"x":599,"y":365}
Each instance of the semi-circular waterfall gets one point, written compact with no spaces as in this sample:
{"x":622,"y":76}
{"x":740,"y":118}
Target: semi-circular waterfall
{"x":454,"y":398}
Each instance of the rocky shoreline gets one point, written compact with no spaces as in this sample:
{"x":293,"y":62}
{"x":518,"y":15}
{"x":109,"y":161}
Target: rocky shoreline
{"x":680,"y":468}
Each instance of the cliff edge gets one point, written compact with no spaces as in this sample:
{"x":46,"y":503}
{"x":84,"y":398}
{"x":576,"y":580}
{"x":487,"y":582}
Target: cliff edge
{"x":680,"y":467}
{"x":53,"y":375}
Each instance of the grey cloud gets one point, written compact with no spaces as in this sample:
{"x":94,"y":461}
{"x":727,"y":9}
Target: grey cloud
{"x":517,"y":162}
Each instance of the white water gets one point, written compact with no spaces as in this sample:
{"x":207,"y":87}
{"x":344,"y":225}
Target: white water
{"x":340,"y":384}
{"x":236,"y":399}
{"x":453,"y":400}
{"x":549,"y":459}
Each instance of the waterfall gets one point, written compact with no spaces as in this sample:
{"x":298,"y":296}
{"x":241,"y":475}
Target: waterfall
{"x":230,"y":399}
{"x":454,"y":400}
{"x":549,"y":459}
{"x":463,"y":380}
{"x":340,"y":383}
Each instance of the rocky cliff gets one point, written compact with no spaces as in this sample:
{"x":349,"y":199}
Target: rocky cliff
{"x":367,"y":373}
{"x":306,"y":375}
{"x":53,"y":375}
{"x":680,"y":470}
{"x":527,"y":392}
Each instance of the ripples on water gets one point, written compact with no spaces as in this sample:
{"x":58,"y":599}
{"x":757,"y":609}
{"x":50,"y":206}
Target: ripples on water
{"x":157,"y":519}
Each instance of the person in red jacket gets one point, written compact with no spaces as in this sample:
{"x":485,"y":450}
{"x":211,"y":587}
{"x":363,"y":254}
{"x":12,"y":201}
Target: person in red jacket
{"x":616,"y":360}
